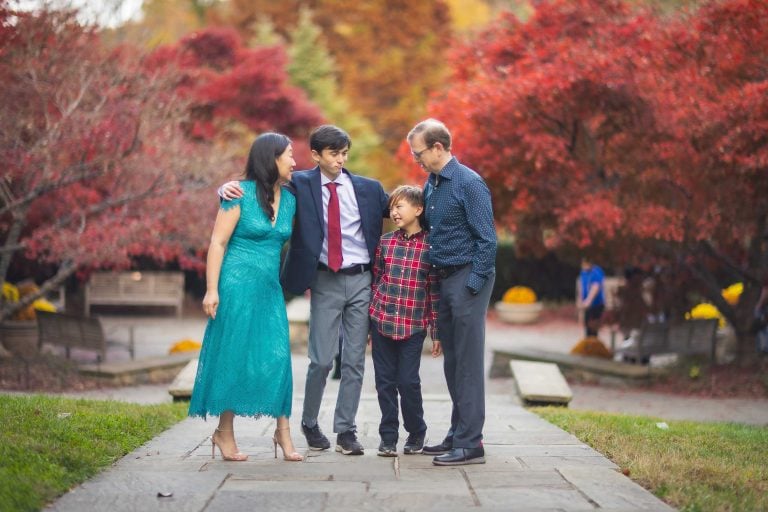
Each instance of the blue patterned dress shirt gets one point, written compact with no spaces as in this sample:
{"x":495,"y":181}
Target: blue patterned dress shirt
{"x":460,"y":221}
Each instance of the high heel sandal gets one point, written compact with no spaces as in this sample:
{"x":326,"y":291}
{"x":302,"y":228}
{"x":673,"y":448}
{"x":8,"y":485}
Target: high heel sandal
{"x":238,"y":457}
{"x":293,"y":457}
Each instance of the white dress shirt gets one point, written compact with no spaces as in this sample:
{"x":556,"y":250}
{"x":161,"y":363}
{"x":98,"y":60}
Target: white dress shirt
{"x":353,"y":248}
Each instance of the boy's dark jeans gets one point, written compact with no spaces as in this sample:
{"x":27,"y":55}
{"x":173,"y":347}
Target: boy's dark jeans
{"x":396,"y":367}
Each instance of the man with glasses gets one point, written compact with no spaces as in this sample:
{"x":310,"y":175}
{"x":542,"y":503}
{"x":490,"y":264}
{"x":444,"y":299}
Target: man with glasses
{"x":462,"y":250}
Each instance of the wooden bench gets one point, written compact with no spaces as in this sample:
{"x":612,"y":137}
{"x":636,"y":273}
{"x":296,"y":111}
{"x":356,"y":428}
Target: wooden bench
{"x":652,"y":340}
{"x":135,"y":289}
{"x":694,"y":337}
{"x":72,"y":331}
{"x":690,"y":337}
{"x":593,"y":365}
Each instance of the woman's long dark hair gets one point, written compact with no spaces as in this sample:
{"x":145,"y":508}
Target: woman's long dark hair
{"x":262,"y":167}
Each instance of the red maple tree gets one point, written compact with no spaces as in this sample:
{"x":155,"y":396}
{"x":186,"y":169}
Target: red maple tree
{"x":107,"y":152}
{"x":235,"y":91}
{"x":609,"y":129}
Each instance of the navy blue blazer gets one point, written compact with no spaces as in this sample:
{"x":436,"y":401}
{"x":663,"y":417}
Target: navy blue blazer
{"x":300,"y":266}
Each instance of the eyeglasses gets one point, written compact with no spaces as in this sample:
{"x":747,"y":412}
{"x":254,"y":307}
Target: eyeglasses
{"x":417,"y":154}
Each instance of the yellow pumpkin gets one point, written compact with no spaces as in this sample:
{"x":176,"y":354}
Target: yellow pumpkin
{"x":705,"y":311}
{"x":186,"y":345}
{"x":733,"y":293}
{"x":519,"y":295}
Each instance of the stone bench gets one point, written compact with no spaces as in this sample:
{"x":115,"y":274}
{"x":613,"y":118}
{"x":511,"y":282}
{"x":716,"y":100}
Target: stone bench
{"x":594,"y":365}
{"x":150,"y":370}
{"x":145,"y":288}
{"x":181,"y":387}
{"x":687,"y":338}
{"x":540,"y":383}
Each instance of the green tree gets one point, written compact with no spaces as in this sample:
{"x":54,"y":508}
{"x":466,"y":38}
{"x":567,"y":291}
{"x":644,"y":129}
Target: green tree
{"x":314,"y":69}
{"x":390,"y":54}
{"x":165,"y":22}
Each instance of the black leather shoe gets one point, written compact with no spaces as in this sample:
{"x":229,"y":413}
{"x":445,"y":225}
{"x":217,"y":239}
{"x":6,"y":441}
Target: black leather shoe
{"x":439,"y":449}
{"x":316,"y":440}
{"x":347,"y":443}
{"x":461,"y":456}
{"x":414,"y":444}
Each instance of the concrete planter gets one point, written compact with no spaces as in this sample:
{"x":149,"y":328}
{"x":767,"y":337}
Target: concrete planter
{"x":519,"y":313}
{"x":20,"y":337}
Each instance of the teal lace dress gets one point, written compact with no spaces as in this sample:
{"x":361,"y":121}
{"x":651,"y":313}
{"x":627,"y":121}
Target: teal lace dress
{"x":245,"y":360}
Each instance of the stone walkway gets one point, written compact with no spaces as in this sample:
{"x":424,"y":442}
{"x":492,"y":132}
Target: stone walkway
{"x":531,"y":465}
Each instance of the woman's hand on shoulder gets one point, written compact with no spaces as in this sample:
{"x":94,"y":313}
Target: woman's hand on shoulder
{"x":231,"y":190}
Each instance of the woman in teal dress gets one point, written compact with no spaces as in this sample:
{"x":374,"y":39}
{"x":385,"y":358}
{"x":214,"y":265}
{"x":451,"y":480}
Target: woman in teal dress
{"x":244,"y":367}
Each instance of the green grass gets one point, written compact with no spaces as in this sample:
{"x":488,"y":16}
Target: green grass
{"x":692,"y":466}
{"x":51,"y":444}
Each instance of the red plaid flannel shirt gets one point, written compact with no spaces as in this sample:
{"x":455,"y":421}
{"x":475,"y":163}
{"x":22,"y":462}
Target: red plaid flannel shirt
{"x":405,"y":288}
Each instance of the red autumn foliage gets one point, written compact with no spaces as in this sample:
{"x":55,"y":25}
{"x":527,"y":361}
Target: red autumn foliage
{"x":609,"y":129}
{"x":231,"y":86}
{"x":107,"y":154}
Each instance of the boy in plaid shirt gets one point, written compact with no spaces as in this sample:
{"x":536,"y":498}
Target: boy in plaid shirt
{"x":404,"y":304}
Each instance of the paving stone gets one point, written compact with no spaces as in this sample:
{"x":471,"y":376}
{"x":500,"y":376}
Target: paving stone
{"x":553,"y":450}
{"x":516,"y":498}
{"x":539,"y":462}
{"x":246,"y":500}
{"x":517,"y":437}
{"x":609,"y":488}
{"x":505,"y":479}
{"x":428,"y":474}
{"x":121,"y":490}
{"x":259,"y":487}
{"x":83,"y":500}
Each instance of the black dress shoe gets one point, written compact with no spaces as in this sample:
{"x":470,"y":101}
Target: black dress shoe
{"x":461,"y":456}
{"x":439,"y":449}
{"x":315,"y":437}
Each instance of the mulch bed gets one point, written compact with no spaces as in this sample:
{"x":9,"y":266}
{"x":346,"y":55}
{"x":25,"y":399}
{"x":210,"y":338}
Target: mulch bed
{"x":746,"y":380}
{"x":46,"y":374}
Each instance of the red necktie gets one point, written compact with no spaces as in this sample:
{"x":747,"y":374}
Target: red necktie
{"x":334,"y":229}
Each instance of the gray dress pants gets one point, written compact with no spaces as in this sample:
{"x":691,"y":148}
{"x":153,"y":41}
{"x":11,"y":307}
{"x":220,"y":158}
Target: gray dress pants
{"x":337,"y":300}
{"x":461,"y":323}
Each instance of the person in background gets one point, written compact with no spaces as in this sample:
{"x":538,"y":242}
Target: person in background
{"x":591,"y":295}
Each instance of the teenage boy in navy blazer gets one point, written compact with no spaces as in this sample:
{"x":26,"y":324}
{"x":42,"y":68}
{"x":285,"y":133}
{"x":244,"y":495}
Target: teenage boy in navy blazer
{"x":337,"y":227}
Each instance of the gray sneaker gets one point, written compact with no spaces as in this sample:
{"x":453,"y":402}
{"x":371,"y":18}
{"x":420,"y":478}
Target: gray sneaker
{"x":347,"y":443}
{"x":315,"y":438}
{"x":414,"y":444}
{"x":387,"y":449}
